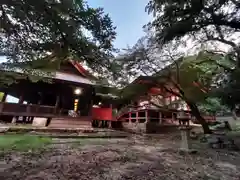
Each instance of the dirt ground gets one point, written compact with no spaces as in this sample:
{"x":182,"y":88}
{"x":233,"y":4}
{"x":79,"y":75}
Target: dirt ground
{"x":137,"y":158}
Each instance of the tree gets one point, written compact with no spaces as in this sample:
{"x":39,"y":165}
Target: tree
{"x":228,"y":91}
{"x":179,"y":77}
{"x":55,"y":30}
{"x":216,"y":20}
{"x":212,"y":105}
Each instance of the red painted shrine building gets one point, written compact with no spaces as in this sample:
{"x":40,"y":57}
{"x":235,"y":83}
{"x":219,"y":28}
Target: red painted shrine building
{"x":151,"y":108}
{"x":65,"y":95}
{"x":68,"y":98}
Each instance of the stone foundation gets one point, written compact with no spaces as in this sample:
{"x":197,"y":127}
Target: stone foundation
{"x":149,"y":127}
{"x":39,"y":122}
{"x":135,"y":127}
{"x":160,"y":128}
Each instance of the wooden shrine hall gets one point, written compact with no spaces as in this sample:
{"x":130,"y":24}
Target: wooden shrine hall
{"x":68,"y":92}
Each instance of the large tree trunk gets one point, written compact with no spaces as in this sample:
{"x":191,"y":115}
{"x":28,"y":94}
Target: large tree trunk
{"x":195,"y":112}
{"x":234,"y":115}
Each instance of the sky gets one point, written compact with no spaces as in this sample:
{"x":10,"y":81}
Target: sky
{"x":128,"y":16}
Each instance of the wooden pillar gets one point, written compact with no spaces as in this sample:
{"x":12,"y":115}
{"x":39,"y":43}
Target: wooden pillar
{"x":173,"y":117}
{"x":130,"y":117}
{"x":160,"y":117}
{"x":20,"y":101}
{"x":146,"y":116}
{"x":137,"y":118}
{"x":39,"y":99}
{"x":90,"y":108}
{"x":1,"y":107}
{"x":57,"y":103}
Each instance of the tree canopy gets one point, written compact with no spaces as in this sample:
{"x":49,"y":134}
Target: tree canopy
{"x":213,"y":105}
{"x":55,"y":30}
{"x":228,"y":90}
{"x":216,"y":20}
{"x":192,"y":74}
{"x":188,"y":77}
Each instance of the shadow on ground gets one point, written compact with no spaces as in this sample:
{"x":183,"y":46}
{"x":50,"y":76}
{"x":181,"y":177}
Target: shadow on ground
{"x":135,"y":158}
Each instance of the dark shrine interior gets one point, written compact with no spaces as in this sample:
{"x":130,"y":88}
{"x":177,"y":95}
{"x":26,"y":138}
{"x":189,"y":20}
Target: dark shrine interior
{"x":44,"y":93}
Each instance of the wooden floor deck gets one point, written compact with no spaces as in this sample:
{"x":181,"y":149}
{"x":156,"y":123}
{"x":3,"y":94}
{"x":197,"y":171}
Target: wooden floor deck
{"x":14,"y":109}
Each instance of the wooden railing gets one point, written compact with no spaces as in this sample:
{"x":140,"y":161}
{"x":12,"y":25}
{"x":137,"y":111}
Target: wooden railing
{"x":27,"y":110}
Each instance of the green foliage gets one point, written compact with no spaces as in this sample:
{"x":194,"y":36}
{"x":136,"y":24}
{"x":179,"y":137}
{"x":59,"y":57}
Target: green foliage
{"x":212,"y":105}
{"x":185,"y":72}
{"x":1,"y":96}
{"x":229,"y":89}
{"x":23,"y":142}
{"x":202,"y":69}
{"x":175,"y":19}
{"x":178,"y":77}
{"x":203,"y":21}
{"x":55,"y":30}
{"x":134,"y":90}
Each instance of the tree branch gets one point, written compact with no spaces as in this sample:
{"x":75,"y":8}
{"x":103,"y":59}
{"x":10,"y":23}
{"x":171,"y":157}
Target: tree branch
{"x":223,"y":41}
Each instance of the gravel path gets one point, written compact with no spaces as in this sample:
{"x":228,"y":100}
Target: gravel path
{"x":135,"y":158}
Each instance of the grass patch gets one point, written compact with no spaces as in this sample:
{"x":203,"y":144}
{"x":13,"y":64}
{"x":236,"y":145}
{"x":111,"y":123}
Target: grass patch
{"x":23,"y":142}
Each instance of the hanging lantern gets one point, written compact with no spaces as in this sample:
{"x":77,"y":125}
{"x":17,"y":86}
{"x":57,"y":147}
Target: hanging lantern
{"x":75,"y":105}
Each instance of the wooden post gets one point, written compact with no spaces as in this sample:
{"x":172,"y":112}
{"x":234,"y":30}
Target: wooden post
{"x":90,"y":108}
{"x":137,"y":119}
{"x":20,"y":101}
{"x":130,"y":117}
{"x":39,"y":99}
{"x":1,"y":107}
{"x":39,"y":102}
{"x":57,"y":103}
{"x":160,"y":117}
{"x":172,"y":117}
{"x":146,"y":116}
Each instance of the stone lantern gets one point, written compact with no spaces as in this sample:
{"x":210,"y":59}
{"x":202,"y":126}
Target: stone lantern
{"x":184,"y":127}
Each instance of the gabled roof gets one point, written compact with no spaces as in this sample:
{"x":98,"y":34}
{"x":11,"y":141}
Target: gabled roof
{"x":84,"y":76}
{"x":82,"y":70}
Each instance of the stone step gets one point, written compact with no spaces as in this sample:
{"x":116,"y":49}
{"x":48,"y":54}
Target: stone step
{"x":84,"y":122}
{"x":69,"y":122}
